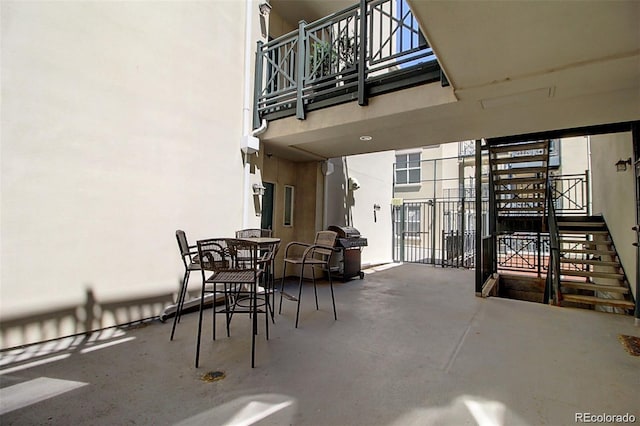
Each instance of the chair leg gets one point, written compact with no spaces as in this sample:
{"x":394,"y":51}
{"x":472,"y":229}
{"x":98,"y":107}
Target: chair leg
{"x":269,"y":280}
{"x":255,"y":323}
{"x":284,"y":268}
{"x":299,"y":295}
{"x":180,"y":304}
{"x":315,"y":289}
{"x":200,"y":325}
{"x":183,"y":294}
{"x":333,"y":300}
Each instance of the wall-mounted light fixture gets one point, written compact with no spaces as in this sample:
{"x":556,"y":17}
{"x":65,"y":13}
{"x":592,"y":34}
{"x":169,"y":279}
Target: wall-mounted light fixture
{"x":621,"y":165}
{"x":258,"y":189}
{"x":265,"y":8}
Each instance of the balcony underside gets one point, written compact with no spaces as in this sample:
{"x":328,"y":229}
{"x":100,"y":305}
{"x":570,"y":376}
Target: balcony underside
{"x":431,"y":114}
{"x":541,"y":73}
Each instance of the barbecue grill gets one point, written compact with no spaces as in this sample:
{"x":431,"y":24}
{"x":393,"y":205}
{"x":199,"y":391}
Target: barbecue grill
{"x":349,"y":256}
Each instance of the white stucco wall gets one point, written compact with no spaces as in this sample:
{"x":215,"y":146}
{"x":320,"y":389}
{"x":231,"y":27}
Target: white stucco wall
{"x":613,"y":195}
{"x":121,"y":122}
{"x":374,"y":172}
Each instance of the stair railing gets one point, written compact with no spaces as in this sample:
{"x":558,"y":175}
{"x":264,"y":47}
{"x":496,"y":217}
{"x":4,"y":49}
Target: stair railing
{"x":552,"y":288}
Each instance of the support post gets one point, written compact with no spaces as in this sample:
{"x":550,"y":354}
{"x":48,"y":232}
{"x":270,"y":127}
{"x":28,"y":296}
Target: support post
{"x":635,"y":136}
{"x":362,"y":55}
{"x":478,"y":177}
{"x":301,"y":64}
{"x":539,"y":246}
{"x":257,"y":86}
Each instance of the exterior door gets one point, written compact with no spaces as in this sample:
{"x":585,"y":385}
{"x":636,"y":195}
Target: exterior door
{"x":267,"y":206}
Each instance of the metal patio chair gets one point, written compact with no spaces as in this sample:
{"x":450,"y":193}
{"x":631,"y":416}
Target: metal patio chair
{"x":235,"y":281}
{"x":191,"y":262}
{"x":314,"y":255}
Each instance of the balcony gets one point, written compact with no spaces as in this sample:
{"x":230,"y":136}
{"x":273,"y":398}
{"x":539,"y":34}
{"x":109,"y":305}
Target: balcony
{"x":371,"y":48}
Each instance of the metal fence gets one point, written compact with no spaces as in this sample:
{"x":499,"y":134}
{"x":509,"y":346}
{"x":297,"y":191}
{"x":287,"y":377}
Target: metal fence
{"x":571,"y":194}
{"x":436,"y":231}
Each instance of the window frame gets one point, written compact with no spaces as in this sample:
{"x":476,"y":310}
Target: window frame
{"x":289,"y":202}
{"x":408,"y":168}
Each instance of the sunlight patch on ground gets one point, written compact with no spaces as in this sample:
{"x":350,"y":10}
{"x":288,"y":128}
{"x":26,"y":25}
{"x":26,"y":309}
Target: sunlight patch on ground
{"x":379,"y":268}
{"x":248,"y":410}
{"x":465,"y":409}
{"x":36,"y":390}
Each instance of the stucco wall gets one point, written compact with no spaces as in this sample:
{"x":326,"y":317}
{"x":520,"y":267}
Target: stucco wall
{"x":121,"y":122}
{"x":306,"y":179}
{"x":613,"y":194}
{"x":374,"y":173}
{"x":574,"y":155}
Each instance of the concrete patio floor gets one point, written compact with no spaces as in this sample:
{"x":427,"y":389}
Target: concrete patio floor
{"x":412,"y":345}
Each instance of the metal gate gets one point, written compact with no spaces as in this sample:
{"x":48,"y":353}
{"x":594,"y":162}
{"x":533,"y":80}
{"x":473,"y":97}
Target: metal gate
{"x":440,"y":231}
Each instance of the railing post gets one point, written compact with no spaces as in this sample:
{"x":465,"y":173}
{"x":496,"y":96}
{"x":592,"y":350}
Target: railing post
{"x":301,"y":64}
{"x":257,"y":86}
{"x":463,"y":224}
{"x":539,"y":247}
{"x":478,"y":254}
{"x":587,"y":191}
{"x":362,"y":55}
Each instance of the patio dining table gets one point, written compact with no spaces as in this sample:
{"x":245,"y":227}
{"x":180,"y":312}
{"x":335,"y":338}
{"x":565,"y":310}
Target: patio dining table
{"x":241,"y":282}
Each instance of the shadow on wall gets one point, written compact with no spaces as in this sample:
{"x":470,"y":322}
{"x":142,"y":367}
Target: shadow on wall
{"x":344,"y":201}
{"x":85,"y":318}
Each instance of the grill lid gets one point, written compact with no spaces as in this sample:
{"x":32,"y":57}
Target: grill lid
{"x":345,"y":231}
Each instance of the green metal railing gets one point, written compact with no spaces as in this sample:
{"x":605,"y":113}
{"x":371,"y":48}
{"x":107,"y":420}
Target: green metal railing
{"x":552,"y":287}
{"x":373,"y":47}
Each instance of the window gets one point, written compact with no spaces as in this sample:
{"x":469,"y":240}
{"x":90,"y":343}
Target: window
{"x":412,"y":225}
{"x":288,"y":205}
{"x":407,"y":168}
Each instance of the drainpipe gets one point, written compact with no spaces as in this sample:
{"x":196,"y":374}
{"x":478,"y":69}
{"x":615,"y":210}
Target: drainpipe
{"x":246,"y":109}
{"x":247,"y":122}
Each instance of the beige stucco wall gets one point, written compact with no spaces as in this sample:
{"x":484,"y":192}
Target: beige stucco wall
{"x":121,"y":122}
{"x":306,"y":178}
{"x":613,"y":195}
{"x":278,"y":26}
{"x":574,"y":155}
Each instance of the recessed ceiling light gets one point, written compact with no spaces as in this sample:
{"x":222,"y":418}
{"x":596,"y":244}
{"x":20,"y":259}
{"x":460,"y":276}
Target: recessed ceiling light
{"x":366,"y":138}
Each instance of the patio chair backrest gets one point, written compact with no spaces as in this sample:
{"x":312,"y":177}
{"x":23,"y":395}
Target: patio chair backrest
{"x":324,"y":238}
{"x":253,"y":233}
{"x":214,"y":254}
{"x":183,"y":245}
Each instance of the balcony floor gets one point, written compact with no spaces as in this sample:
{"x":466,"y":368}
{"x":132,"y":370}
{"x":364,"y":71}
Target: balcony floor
{"x":412,"y":345}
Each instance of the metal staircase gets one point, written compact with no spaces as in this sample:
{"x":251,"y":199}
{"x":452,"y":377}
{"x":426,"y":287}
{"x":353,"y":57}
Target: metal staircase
{"x":519,"y":178}
{"x":591,"y":274}
{"x":582,"y":266}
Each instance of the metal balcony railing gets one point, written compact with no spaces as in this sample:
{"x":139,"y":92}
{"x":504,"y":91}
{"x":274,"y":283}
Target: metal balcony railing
{"x":370,"y":48}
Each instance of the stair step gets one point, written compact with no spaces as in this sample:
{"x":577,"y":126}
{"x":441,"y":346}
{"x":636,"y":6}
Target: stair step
{"x":521,"y":209}
{"x":520,"y":200}
{"x":585,"y":242}
{"x":597,"y":274}
{"x":519,"y":147}
{"x":520,"y":171}
{"x":592,"y":300}
{"x":519,"y":191}
{"x":594,"y":262}
{"x":519,"y":181}
{"x":594,"y":287}
{"x":586,"y":225}
{"x":583,"y":231}
{"x":519,"y":159}
{"x":589,"y":251}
